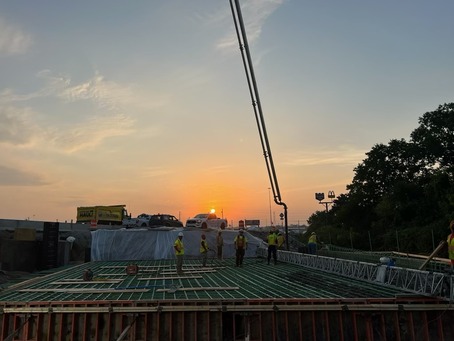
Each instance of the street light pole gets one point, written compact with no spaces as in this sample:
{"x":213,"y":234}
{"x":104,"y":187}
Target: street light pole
{"x":320,"y":197}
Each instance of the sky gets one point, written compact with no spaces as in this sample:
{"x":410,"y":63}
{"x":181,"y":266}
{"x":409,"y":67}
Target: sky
{"x":145,"y":103}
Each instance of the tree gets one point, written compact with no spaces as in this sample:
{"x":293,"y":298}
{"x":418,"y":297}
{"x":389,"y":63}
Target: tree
{"x":401,"y":186}
{"x":435,"y":135}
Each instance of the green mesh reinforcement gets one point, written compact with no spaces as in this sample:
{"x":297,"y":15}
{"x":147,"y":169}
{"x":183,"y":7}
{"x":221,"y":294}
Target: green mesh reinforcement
{"x":220,"y":280}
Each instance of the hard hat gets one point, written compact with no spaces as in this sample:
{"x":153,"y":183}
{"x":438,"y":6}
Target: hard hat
{"x":70,"y":239}
{"x":313,"y":233}
{"x":241,"y":231}
{"x":180,"y":234}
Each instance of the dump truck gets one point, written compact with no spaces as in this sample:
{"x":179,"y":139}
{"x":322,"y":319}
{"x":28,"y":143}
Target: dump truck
{"x":102,"y":215}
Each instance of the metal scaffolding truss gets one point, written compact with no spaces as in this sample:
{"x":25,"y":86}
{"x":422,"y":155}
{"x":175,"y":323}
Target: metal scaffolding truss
{"x":427,"y":283}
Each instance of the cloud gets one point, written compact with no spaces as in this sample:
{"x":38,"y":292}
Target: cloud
{"x":15,"y":125}
{"x":91,"y":132}
{"x":105,"y":94}
{"x":54,"y":85}
{"x":153,"y":172}
{"x":255,"y":13}
{"x":12,"y":40}
{"x":218,"y":169}
{"x":108,"y":95}
{"x":344,"y":155}
{"x":15,"y":177}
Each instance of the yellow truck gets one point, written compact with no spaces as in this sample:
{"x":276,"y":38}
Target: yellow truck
{"x":103,"y":215}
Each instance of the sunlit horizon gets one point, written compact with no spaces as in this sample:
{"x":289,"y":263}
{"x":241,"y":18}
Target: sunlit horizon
{"x":148,"y":105}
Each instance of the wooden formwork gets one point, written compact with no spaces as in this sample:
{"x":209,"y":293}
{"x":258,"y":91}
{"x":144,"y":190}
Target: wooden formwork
{"x":294,"y":319}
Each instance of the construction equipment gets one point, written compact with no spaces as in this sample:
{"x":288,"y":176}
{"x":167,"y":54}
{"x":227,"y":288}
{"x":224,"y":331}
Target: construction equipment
{"x":132,"y":269}
{"x":260,"y":120}
{"x":88,"y":275}
{"x":102,"y":215}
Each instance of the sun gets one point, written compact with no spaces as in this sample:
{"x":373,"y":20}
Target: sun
{"x":212,"y":211}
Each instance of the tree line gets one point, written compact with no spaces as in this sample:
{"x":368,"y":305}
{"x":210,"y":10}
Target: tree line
{"x":401,"y":195}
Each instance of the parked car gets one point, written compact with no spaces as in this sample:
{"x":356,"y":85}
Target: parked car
{"x":140,"y":221}
{"x":164,"y":220}
{"x":207,"y":220}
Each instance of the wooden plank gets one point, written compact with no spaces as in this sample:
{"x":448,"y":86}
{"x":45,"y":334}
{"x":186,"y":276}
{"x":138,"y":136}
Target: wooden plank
{"x":433,"y":254}
{"x":85,"y":290}
{"x":140,"y":266}
{"x":106,"y":281}
{"x":412,"y":255}
{"x":199,"y":289}
{"x":96,"y":279}
{"x":189,"y":271}
{"x":200,"y":268}
{"x":163,"y":278}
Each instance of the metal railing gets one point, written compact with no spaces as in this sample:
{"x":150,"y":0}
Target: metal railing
{"x":428,"y":283}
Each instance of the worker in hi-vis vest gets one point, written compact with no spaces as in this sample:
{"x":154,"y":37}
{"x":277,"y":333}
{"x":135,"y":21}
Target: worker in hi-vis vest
{"x":240,"y":242}
{"x":179,"y":252}
{"x":204,"y":249}
{"x":451,"y":244}
{"x":272,"y":245}
{"x":312,"y":243}
{"x":220,"y":244}
{"x":280,"y":240}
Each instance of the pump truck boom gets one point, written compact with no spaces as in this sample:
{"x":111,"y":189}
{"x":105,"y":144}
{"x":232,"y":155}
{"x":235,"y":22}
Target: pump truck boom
{"x":254,"y":93}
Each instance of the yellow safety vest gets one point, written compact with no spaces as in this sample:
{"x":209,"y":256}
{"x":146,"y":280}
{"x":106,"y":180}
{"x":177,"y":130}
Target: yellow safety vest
{"x":203,"y":246}
{"x":313,"y":239}
{"x":272,"y":239}
{"x":179,"y":247}
{"x":240,"y":242}
{"x":451,"y":246}
{"x":280,"y":240}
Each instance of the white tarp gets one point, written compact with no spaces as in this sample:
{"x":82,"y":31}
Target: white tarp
{"x":146,"y":244}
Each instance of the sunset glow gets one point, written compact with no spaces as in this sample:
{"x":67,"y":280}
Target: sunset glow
{"x":148,"y":105}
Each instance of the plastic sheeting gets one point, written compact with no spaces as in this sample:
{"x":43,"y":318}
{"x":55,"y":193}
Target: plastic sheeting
{"x":147,"y":244}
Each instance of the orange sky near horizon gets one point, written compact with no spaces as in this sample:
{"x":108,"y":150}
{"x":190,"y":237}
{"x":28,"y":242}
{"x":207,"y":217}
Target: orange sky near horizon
{"x":156,"y":114}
